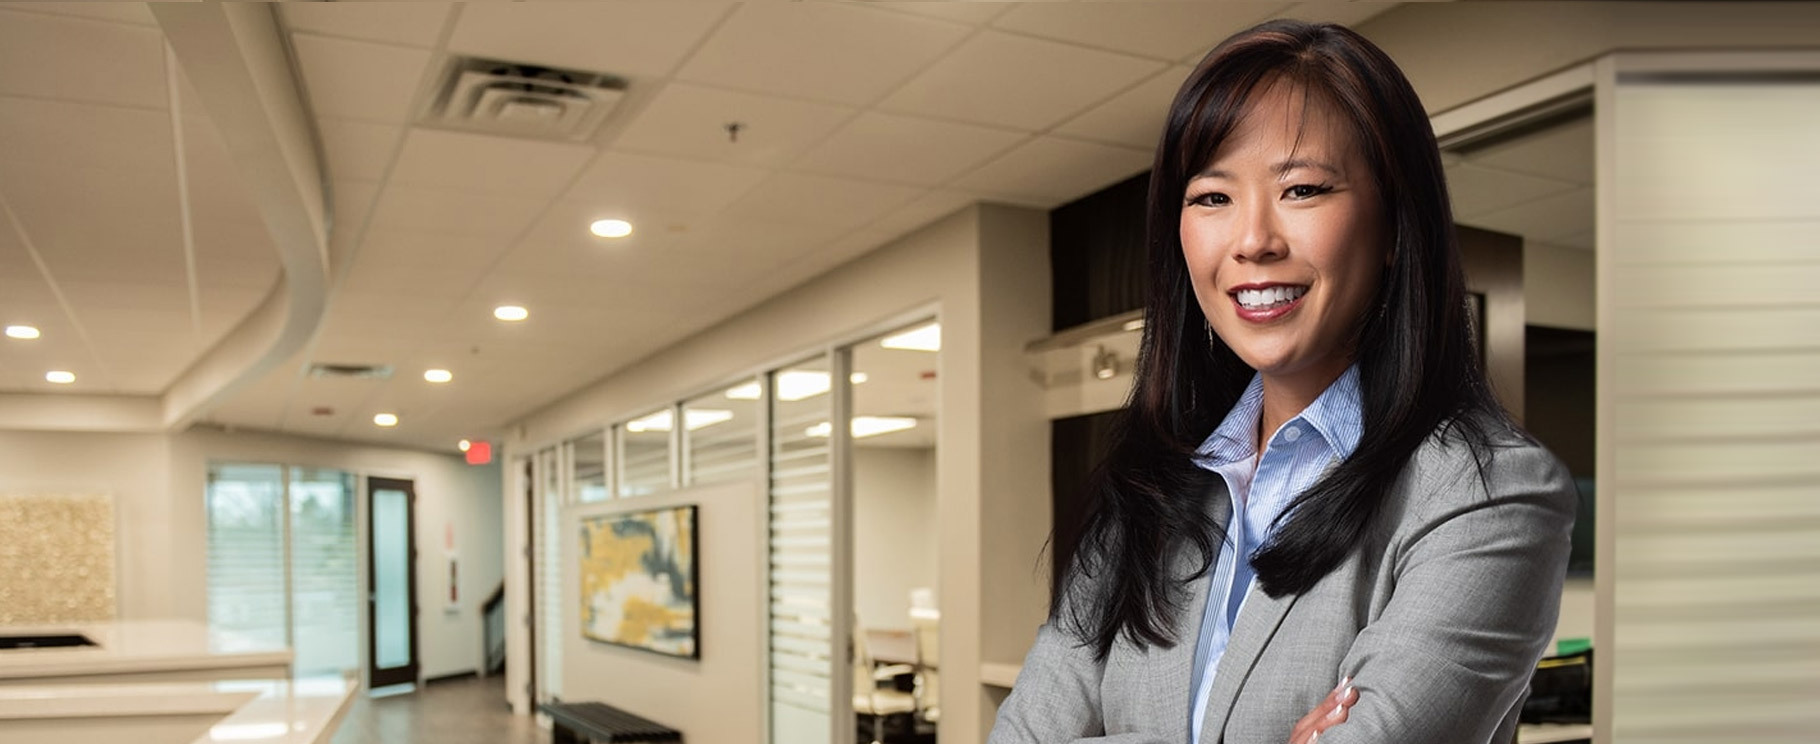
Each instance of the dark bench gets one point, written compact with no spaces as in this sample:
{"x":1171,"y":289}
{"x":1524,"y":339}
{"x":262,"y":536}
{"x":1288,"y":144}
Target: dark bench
{"x":580,"y":723}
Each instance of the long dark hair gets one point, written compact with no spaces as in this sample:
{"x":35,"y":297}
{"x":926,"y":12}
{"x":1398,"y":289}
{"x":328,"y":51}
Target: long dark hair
{"x":1418,"y":371}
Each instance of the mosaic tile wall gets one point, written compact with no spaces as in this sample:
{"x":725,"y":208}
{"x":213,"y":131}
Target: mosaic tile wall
{"x":56,"y":558}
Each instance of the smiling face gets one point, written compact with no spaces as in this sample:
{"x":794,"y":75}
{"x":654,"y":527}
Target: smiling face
{"x":1284,"y":239}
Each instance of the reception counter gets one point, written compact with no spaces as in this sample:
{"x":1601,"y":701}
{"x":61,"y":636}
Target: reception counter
{"x":139,"y":651}
{"x":302,"y":711}
{"x":159,"y":682}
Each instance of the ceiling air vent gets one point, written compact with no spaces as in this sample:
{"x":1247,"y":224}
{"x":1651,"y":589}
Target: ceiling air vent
{"x":353,"y":371}
{"x":525,"y":100}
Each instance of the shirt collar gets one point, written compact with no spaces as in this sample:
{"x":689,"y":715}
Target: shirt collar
{"x":1337,"y":415}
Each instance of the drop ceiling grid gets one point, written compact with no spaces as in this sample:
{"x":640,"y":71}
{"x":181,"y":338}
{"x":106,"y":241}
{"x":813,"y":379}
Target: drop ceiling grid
{"x":130,"y":73}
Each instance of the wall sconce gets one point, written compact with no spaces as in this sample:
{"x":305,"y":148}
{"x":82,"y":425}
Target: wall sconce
{"x":1105,"y":363}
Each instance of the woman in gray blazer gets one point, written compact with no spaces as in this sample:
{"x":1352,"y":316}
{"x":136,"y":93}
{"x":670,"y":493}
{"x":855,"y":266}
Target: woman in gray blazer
{"x":1315,"y":522}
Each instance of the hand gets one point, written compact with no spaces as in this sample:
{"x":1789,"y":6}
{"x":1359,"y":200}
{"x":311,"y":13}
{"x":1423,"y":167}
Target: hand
{"x":1330,"y":712}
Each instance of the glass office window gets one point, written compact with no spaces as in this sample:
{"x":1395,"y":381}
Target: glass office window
{"x":801,"y":549}
{"x":588,"y":456}
{"x":283,"y":565}
{"x":246,"y":541}
{"x":720,"y":434}
{"x":644,"y":453}
{"x":325,"y":572}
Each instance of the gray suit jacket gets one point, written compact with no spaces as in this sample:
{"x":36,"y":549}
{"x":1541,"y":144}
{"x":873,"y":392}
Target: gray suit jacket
{"x":1439,"y":617}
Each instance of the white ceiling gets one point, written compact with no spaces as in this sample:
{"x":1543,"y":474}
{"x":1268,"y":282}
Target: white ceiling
{"x":861,"y":121}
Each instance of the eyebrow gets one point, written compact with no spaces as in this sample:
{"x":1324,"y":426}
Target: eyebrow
{"x":1279,"y":169}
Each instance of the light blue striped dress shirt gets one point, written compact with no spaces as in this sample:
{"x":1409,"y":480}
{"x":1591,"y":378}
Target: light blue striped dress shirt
{"x":1296,"y":456}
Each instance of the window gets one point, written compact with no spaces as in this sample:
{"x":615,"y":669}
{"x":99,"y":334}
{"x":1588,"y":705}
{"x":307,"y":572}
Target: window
{"x":283,"y":564}
{"x":589,"y":457}
{"x":644,"y":453}
{"x":720,"y":434}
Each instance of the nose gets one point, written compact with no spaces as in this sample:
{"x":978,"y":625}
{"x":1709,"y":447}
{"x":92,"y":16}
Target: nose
{"x":1257,"y":238}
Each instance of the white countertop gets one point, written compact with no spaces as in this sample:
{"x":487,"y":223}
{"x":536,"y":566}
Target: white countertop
{"x":131,"y":646}
{"x":302,"y":711}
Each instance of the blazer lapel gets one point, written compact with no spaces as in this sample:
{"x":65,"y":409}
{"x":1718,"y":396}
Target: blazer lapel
{"x":1257,"y":623}
{"x":1173,"y":667}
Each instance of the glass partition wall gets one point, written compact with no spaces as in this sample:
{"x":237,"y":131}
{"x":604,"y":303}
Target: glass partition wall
{"x":802,"y":634}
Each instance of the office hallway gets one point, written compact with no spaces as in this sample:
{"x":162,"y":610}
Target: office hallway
{"x":460,"y":711}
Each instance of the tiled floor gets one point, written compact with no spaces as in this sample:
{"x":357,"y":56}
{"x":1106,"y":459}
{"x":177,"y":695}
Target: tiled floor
{"x":460,"y":711}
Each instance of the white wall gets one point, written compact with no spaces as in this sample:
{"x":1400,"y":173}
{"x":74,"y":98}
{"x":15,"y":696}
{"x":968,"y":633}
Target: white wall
{"x":717,"y":698}
{"x":894,"y":532}
{"x":158,"y":482}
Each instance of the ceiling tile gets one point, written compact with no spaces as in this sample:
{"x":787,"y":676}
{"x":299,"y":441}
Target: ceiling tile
{"x":640,"y":188}
{"x":491,"y":216}
{"x":1005,"y":80}
{"x":1050,"y":171}
{"x":907,"y":149}
{"x":1349,"y":13}
{"x":357,"y":150}
{"x":795,"y":198}
{"x":135,"y":13}
{"x":924,"y":210}
{"x":104,"y":225}
{"x":479,"y":162}
{"x":1133,"y":118}
{"x":1549,"y":219}
{"x":974,"y":13}
{"x":632,"y":39}
{"x":1168,"y":30}
{"x":1477,"y":189}
{"x":410,"y":24}
{"x":360,"y":80}
{"x":41,"y":138}
{"x":691,"y":121}
{"x":841,"y":53}
{"x":419,"y":264}
{"x":49,"y":56}
{"x":1563,"y":153}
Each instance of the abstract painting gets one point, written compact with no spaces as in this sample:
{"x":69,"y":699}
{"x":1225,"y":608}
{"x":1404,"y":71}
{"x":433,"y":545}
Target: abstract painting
{"x":638,"y":585}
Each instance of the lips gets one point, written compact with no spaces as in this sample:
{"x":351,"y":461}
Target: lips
{"x":1261,"y":303}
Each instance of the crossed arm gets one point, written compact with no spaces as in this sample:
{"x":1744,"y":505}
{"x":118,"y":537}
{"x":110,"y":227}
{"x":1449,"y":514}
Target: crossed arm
{"x":1478,"y":578}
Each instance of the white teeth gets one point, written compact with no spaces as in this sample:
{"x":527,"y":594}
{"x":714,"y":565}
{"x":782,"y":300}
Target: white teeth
{"x":1260,"y":299}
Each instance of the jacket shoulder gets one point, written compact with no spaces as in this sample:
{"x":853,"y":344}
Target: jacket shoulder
{"x":1470,"y":462}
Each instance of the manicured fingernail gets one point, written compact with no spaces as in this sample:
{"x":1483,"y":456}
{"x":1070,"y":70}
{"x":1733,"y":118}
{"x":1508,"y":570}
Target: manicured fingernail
{"x":1338,"y":710}
{"x":1313,"y":736}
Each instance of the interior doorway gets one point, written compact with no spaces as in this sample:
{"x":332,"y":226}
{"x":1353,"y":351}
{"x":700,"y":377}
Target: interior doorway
{"x":891,"y":418}
{"x":392,"y":659}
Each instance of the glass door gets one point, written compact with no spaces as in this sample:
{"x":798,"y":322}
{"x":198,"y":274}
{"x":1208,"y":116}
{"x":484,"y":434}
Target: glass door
{"x":392,"y":602}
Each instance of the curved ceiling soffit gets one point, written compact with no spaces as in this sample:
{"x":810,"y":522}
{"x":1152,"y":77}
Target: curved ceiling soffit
{"x":239,"y":65}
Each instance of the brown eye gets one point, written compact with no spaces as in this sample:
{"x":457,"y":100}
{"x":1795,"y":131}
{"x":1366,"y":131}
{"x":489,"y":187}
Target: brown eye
{"x":1304,"y":191}
{"x":1210,"y":199}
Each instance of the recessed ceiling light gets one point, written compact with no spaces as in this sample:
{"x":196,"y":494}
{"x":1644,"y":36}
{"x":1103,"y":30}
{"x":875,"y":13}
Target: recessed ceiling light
{"x":438,"y":375}
{"x":925,"y":338}
{"x":611,"y":228}
{"x":511,"y":313}
{"x":60,"y":377}
{"x":23,"y":332}
{"x":385,"y":419}
{"x":463,"y":445}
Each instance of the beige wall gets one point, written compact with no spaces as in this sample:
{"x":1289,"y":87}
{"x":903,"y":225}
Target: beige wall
{"x":894,"y":532}
{"x":135,"y":468}
{"x":158,"y":480}
{"x":984,"y":270}
{"x":715,"y":699}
